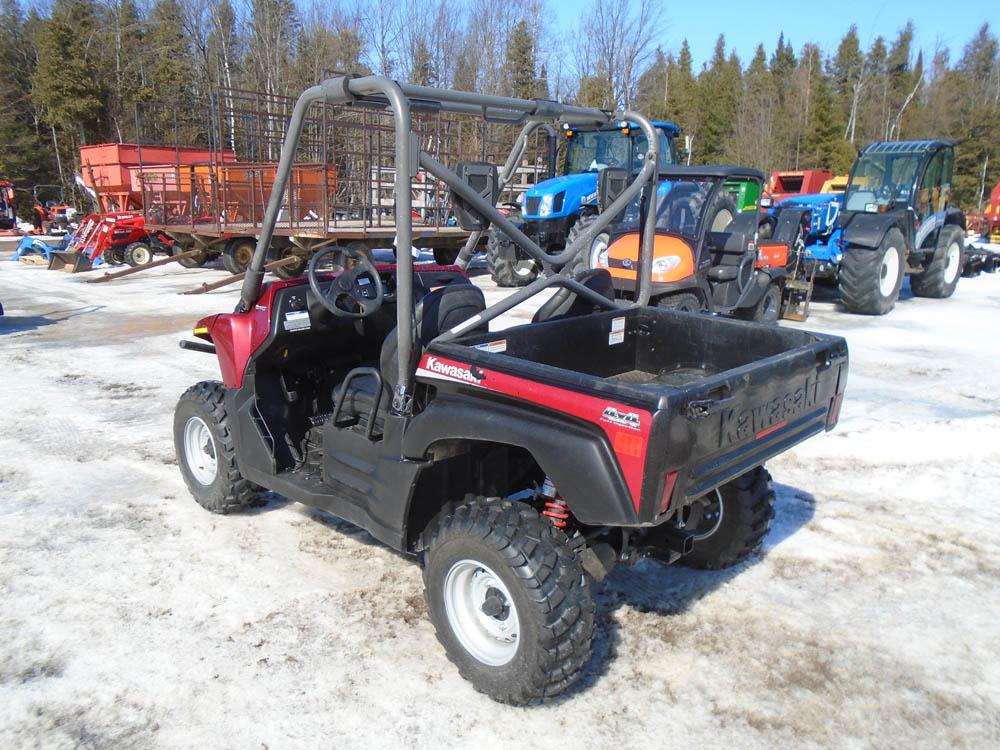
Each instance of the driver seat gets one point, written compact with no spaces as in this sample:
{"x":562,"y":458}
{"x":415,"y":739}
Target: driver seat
{"x":435,"y":313}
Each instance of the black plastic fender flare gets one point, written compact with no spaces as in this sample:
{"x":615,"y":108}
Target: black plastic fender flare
{"x":868,"y":230}
{"x":576,"y":457}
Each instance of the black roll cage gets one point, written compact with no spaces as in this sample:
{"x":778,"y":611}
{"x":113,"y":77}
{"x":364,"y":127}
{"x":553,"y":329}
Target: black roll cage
{"x":402,"y":99}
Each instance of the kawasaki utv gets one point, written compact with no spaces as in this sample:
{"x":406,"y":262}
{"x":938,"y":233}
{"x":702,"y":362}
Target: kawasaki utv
{"x":519,"y":465}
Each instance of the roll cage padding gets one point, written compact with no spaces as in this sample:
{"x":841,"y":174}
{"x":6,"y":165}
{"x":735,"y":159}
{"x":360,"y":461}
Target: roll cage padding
{"x":579,"y":461}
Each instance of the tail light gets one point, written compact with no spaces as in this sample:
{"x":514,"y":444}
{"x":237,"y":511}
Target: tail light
{"x":833,"y":416}
{"x":669,"y":482}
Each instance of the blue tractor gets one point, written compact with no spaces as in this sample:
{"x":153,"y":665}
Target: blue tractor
{"x":895,"y":218}
{"x":550,"y":209}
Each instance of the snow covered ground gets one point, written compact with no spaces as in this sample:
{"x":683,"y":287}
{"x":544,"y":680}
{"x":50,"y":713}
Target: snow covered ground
{"x":129,"y":617}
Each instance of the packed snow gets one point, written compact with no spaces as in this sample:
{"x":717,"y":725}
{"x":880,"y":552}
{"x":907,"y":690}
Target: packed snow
{"x":130,"y":617}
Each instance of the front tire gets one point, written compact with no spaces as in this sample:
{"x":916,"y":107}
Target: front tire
{"x":595,"y":256}
{"x":682,"y":302}
{"x":730,"y":523}
{"x":203,"y":441}
{"x":509,"y":601}
{"x":940,"y":278}
{"x":505,"y":267}
{"x":138,"y":254}
{"x":870,"y":279}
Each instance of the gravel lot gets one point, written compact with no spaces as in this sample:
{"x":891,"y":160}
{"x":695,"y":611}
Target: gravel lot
{"x":129,"y":617}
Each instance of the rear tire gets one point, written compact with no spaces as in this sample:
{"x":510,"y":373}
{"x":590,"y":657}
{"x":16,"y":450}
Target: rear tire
{"x":195,"y":261}
{"x":237,"y":255}
{"x":683,"y":302}
{"x":505,"y":267}
{"x":203,"y":441}
{"x":765,"y":310}
{"x":870,"y":279}
{"x":746,"y":505}
{"x":535,"y":638}
{"x":290,"y":271}
{"x":138,"y":254}
{"x":940,"y":277}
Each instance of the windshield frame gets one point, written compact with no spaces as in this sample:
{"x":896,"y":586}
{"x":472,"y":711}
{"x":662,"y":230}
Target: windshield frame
{"x":667,"y":148}
{"x":887,"y":160}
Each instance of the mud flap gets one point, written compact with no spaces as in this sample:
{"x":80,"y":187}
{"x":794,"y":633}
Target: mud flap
{"x":69,"y":261}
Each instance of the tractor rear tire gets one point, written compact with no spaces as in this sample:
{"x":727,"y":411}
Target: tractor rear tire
{"x":870,"y":279}
{"x":591,"y":257}
{"x":505,"y":267}
{"x":195,"y":261}
{"x":509,"y":600}
{"x":682,"y":302}
{"x":732,"y":523}
{"x":203,"y":441}
{"x":237,"y":255}
{"x":941,"y":275}
{"x":138,"y":254}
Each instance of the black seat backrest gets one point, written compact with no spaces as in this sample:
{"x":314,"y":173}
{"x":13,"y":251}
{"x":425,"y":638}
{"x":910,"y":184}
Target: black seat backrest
{"x":567,"y":304}
{"x":437,"y":312}
{"x":726,"y":248}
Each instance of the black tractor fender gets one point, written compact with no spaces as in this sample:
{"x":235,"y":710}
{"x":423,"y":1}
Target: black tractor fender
{"x":577,"y":457}
{"x":868,"y":230}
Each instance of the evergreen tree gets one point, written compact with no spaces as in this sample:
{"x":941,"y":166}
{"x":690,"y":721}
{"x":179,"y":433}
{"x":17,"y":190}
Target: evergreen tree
{"x":520,"y":79}
{"x":422,"y":66}
{"x":682,"y":94}
{"x":651,"y":91}
{"x":718,"y":89}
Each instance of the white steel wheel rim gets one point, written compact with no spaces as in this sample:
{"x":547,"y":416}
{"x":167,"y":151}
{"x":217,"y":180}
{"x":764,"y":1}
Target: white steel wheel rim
{"x":709,"y":502}
{"x":888,"y":272}
{"x":142,"y":255}
{"x":600,"y":245}
{"x":524,"y":267}
{"x":199,"y":451}
{"x":953,"y":260}
{"x":472,"y":595}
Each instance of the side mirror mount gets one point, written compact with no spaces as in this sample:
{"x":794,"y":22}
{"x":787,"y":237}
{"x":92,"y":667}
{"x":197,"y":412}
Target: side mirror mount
{"x":483,"y":178}
{"x":611,"y":182}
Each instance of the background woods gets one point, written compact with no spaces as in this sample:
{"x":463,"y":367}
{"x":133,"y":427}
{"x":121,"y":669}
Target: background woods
{"x":75,"y":71}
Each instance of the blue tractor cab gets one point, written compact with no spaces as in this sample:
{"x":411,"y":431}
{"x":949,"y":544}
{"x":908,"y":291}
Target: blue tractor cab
{"x":550,"y":208}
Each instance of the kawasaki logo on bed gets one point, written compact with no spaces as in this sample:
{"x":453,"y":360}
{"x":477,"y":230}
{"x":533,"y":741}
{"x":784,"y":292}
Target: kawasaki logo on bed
{"x":758,"y":421}
{"x":451,"y":371}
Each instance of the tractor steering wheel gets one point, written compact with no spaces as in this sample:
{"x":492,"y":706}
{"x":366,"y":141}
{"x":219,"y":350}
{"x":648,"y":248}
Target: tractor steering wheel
{"x":358,"y":287}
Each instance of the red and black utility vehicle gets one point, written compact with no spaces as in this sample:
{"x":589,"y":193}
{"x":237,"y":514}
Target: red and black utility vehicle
{"x":519,"y":465}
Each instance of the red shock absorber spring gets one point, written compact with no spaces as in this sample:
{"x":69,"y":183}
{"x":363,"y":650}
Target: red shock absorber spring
{"x":556,"y":509}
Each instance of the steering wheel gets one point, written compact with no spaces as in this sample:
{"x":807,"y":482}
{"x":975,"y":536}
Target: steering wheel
{"x":359,"y":287}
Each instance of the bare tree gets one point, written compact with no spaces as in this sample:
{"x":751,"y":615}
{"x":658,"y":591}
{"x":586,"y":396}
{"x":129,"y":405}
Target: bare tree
{"x":616,"y":42}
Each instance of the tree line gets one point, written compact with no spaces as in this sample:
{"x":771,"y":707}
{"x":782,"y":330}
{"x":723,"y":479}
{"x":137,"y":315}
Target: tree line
{"x":75,"y":72}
